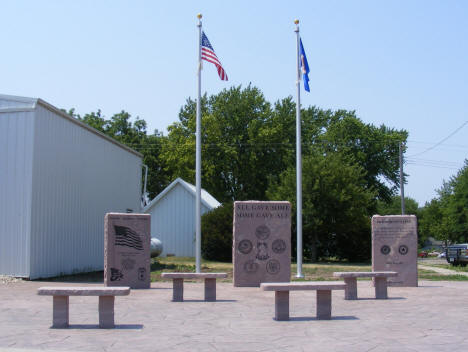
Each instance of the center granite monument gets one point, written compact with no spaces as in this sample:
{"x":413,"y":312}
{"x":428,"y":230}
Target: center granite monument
{"x":395,"y":248}
{"x":261,"y":242}
{"x":127,"y":250}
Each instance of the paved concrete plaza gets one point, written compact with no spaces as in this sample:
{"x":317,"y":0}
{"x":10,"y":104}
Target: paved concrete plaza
{"x":432,"y":317}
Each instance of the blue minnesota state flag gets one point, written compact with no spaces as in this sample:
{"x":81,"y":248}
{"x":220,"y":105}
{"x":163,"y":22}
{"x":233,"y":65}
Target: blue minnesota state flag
{"x":304,"y":66}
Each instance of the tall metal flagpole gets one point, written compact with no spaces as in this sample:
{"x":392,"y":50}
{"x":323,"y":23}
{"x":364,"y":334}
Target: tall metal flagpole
{"x":298,"y":159}
{"x":198,"y":158}
{"x":402,"y":185}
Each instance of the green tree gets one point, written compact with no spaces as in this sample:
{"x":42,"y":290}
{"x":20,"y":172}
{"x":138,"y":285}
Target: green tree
{"x":239,"y":144}
{"x":93,"y":119}
{"x":247,"y":143}
{"x":431,"y":222}
{"x":335,"y":205}
{"x":457,"y":204}
{"x":394,"y":206}
{"x":375,"y":149}
{"x":216,"y":227}
{"x":446,"y":216}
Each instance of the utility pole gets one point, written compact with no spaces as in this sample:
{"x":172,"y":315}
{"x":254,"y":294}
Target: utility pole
{"x":402,"y":186}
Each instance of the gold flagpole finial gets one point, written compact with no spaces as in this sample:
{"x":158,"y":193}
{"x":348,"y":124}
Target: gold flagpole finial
{"x":296,"y":21}
{"x":199,"y":16}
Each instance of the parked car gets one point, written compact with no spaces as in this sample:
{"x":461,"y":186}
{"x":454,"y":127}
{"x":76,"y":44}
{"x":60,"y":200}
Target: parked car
{"x":442,"y":255}
{"x":422,"y":254}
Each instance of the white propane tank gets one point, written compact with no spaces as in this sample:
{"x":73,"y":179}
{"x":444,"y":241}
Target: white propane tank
{"x":156,"y":247}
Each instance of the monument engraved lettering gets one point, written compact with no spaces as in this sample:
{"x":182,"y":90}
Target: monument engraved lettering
{"x":261,"y":242}
{"x":394,"y":248}
{"x":127,"y":250}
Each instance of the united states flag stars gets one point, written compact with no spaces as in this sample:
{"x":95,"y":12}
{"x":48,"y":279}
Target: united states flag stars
{"x":208,"y":54}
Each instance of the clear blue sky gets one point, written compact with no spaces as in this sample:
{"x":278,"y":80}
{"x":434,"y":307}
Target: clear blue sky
{"x":398,"y":63}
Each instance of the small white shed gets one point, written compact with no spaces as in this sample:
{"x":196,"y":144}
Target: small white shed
{"x":173,"y":217}
{"x":58,"y":178}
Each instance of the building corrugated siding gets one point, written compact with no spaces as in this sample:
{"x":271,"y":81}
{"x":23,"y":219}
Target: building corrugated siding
{"x":16,"y":151}
{"x":78,"y":177}
{"x":173,"y":222}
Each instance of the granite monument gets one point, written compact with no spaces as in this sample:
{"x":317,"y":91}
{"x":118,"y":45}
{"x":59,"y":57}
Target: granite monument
{"x":261,"y":249}
{"x":127,"y":250}
{"x":395,"y":248}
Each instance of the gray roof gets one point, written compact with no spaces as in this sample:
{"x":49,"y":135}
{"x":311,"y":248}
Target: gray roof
{"x":11,"y":103}
{"x":207,"y":199}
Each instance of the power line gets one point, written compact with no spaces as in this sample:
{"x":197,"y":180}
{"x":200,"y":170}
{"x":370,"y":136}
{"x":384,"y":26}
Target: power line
{"x":445,"y":145}
{"x":433,"y":162}
{"x":439,"y":143}
{"x":305,"y":143}
{"x":293,"y":143}
{"x":434,"y":166}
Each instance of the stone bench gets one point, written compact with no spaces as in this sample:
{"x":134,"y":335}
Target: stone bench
{"x":60,"y":307}
{"x":380,"y":281}
{"x":324,"y":296}
{"x":178,"y":284}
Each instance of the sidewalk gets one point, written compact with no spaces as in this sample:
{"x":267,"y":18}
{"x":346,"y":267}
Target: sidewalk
{"x":432,"y":317}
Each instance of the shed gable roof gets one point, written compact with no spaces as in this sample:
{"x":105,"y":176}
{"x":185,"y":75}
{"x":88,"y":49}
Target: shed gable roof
{"x":207,"y":199}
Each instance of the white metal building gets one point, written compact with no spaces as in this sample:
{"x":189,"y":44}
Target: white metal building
{"x":58,"y":178}
{"x":173,"y":217}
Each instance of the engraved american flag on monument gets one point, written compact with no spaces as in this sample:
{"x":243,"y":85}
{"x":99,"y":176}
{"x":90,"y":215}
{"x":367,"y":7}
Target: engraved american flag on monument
{"x":208,"y":54}
{"x":125,"y":236}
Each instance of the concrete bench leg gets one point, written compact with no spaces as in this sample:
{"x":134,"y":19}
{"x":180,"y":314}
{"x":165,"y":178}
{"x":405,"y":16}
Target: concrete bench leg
{"x":324,"y":304}
{"x":106,"y":312}
{"x":351,"y":288}
{"x":210,"y":290}
{"x":282,"y":305}
{"x":178,"y":290}
{"x":381,"y":287}
{"x":60,"y":311}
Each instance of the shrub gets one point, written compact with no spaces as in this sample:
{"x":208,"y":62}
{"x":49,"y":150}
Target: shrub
{"x":216,"y":227}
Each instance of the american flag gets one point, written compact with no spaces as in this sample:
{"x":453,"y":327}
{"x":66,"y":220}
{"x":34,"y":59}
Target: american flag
{"x":208,"y":54}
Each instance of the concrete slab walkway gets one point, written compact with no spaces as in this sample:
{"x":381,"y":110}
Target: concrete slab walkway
{"x":432,"y":317}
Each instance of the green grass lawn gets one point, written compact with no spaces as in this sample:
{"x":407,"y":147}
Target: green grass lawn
{"x":322,"y":271}
{"x":433,"y":276}
{"x":452,"y":267}
{"x":315,"y":271}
